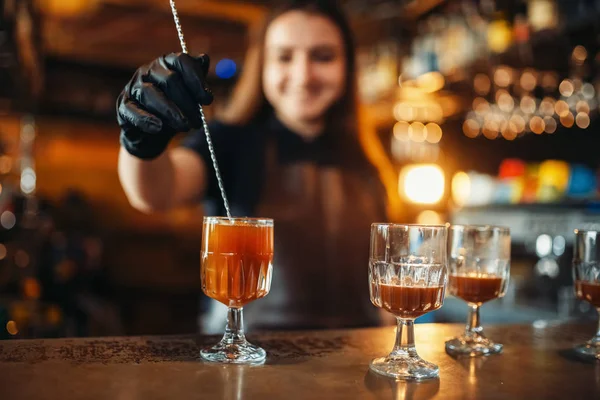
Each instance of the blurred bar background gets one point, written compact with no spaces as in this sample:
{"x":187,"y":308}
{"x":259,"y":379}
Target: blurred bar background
{"x":493,"y":103}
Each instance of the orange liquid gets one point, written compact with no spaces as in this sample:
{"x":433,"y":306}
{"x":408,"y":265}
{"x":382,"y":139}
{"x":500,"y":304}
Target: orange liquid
{"x":236,"y":264}
{"x":475,"y":289}
{"x":589,"y":292}
{"x":410,"y":301}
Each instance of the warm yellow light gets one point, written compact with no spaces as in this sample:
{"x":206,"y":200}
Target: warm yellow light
{"x":582,"y":106}
{"x":547,"y":106}
{"x":482,"y":84}
{"x":509,"y":134}
{"x":582,"y":120}
{"x":505,"y":101}
{"x":429,"y":217}
{"x":5,"y":164}
{"x":417,"y":132}
{"x":471,"y":128}
{"x":401,"y":131}
{"x":431,"y":81}
{"x":461,"y":188}
{"x":422,"y":183}
{"x":11,"y":327}
{"x":566,"y":88}
{"x":404,"y":112}
{"x":550,"y":124}
{"x":579,"y":55}
{"x":67,"y":8}
{"x":561,"y":108}
{"x":499,"y":36}
{"x":542,"y":14}
{"x":528,"y":80}
{"x":434,"y":132}
{"x":490,"y":129}
{"x":517,"y":123}
{"x":503,"y":76}
{"x":528,"y":104}
{"x":480,"y":105}
{"x":567,"y":120}
{"x":537,"y":125}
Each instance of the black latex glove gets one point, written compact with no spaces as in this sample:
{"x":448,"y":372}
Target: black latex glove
{"x":160,"y":100}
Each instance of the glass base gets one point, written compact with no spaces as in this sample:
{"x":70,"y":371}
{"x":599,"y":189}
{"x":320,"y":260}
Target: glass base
{"x":234,"y":353}
{"x":409,"y":368}
{"x":589,"y":350}
{"x":472,"y":346}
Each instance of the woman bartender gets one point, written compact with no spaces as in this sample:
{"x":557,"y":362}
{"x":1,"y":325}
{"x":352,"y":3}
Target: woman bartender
{"x":287,"y":146}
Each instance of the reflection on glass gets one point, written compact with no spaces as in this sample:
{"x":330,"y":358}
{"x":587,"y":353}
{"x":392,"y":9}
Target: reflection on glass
{"x":401,"y":389}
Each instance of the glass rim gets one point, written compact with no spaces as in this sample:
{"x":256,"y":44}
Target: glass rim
{"x":395,"y":224}
{"x":239,"y":220}
{"x":469,"y":227}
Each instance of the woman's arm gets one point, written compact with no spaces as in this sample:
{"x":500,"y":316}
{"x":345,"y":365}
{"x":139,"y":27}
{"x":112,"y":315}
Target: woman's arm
{"x":175,"y":178}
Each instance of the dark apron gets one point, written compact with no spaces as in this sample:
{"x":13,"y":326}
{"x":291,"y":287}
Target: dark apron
{"x":322,"y":217}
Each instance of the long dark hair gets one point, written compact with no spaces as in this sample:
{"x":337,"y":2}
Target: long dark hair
{"x":355,"y":139}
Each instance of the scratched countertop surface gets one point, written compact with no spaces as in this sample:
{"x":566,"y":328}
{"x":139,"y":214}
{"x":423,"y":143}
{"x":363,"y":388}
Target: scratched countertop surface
{"x":537,"y":363}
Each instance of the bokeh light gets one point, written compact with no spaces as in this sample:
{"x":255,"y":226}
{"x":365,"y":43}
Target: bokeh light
{"x":561,"y":108}
{"x":401,"y":131}
{"x":225,"y":68}
{"x":503,"y":76}
{"x":550,"y":125}
{"x":471,"y":128}
{"x":412,"y":178}
{"x":528,"y":104}
{"x":537,"y":125}
{"x":567,"y":120}
{"x":8,"y":219}
{"x":528,"y":80}
{"x":482,"y":84}
{"x":434,"y":132}
{"x":579,"y":55}
{"x":582,"y":120}
{"x":11,"y":327}
{"x":566,"y":88}
{"x":429,"y":217}
{"x":417,"y":132}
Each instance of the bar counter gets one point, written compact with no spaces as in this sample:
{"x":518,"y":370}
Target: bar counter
{"x":536,"y":364}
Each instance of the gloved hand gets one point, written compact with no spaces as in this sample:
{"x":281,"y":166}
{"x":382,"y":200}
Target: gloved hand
{"x":160,"y":100}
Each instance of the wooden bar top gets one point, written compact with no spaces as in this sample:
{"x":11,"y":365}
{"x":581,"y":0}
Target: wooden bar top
{"x":537,"y":363}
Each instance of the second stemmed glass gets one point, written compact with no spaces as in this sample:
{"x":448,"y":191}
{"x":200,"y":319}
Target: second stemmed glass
{"x":407,"y":277}
{"x":479,"y":259}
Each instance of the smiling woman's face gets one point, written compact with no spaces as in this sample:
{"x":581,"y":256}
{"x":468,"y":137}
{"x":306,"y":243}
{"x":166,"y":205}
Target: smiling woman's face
{"x":304,"y":70}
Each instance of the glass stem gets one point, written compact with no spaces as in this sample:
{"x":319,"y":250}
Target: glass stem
{"x":474,"y":322}
{"x":405,"y":339}
{"x":234,"y":331}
